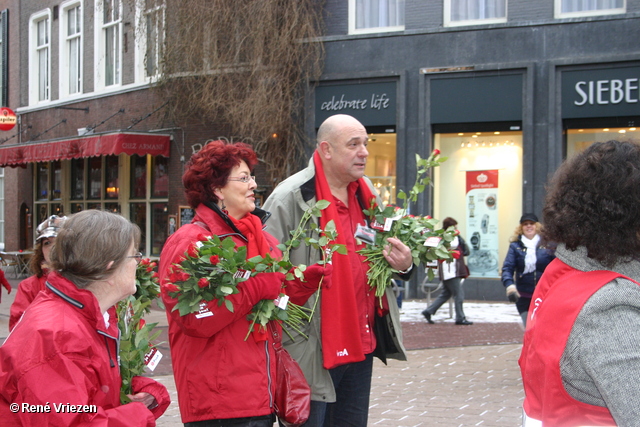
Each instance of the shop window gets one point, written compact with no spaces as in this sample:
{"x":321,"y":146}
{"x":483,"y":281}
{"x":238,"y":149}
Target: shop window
{"x":381,"y":165}
{"x":138,"y":177}
{"x":579,"y":8}
{"x":78,"y":179}
{"x":95,"y":178}
{"x":480,"y":185}
{"x":138,"y":215}
{"x":111,"y":177}
{"x":159,"y":177}
{"x":159,"y":227}
{"x":474,"y":12}
{"x":578,"y":139}
{"x":367,"y":16}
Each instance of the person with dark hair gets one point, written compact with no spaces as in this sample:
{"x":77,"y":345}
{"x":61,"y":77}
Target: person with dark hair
{"x":221,"y":377}
{"x":527,"y":257}
{"x":452,"y":275}
{"x":351,"y":325}
{"x":580,"y":360}
{"x":63,"y":353}
{"x":39,"y":265}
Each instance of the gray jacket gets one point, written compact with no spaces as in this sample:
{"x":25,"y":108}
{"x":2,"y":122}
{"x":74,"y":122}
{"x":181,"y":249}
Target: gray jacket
{"x":601,"y":362}
{"x":288,"y":202}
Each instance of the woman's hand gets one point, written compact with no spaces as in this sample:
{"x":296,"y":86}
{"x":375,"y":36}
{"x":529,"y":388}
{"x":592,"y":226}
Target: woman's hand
{"x":147,"y":399}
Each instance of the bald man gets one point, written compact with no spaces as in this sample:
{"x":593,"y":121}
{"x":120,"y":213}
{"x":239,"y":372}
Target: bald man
{"x":350,"y":326}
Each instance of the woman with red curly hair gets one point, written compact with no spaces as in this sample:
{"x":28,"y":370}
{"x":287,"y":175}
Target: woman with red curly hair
{"x":221,"y":378}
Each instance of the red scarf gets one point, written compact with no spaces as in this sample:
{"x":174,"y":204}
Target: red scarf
{"x":340,"y":325}
{"x":251,"y":227}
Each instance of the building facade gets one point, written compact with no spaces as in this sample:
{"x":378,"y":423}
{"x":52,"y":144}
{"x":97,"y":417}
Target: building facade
{"x":506,"y":89}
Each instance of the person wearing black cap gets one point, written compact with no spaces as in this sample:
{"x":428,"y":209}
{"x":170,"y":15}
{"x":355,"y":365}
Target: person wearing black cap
{"x":526,"y":259}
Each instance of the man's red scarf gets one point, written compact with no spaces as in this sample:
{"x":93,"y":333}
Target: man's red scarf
{"x":340,"y":325}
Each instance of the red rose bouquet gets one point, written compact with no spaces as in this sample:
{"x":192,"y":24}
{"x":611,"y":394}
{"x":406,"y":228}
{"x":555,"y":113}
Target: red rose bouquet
{"x":136,"y":336}
{"x":212,"y":268}
{"x":417,"y":232}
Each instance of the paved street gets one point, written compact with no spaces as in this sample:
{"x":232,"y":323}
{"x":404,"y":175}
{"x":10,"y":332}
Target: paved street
{"x":455,"y":375}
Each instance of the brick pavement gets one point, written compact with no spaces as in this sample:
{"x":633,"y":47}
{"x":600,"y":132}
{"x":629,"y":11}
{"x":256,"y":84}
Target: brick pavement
{"x":455,"y":376}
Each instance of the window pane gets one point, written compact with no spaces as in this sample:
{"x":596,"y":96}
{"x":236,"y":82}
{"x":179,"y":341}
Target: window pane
{"x":77,"y":179}
{"x":111,"y":177}
{"x":77,"y":207}
{"x":587,"y":5}
{"x":57,"y":209}
{"x":43,"y":182}
{"x":379,"y":13}
{"x":159,"y":226}
{"x":159,"y":177}
{"x":95,"y":178}
{"x":112,"y":207}
{"x":138,"y":177}
{"x":138,"y":213}
{"x":467,"y":10}
{"x":56,"y":182}
{"x":94,"y":206}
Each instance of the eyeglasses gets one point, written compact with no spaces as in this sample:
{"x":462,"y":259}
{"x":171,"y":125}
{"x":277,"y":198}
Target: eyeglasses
{"x":244,"y":178}
{"x":137,"y":257}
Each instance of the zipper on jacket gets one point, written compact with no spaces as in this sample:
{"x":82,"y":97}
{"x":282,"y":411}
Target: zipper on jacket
{"x":269,"y":379}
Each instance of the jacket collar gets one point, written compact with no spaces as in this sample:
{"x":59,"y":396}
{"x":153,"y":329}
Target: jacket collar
{"x":83,"y":300}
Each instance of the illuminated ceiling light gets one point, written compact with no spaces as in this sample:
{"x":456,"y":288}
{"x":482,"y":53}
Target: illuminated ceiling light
{"x":496,"y":133}
{"x":622,"y":131}
{"x":483,"y":144}
{"x":462,"y":145}
{"x":474,"y":136}
{"x":491,"y":144}
{"x":478,"y":133}
{"x":632,"y":129}
{"x":461,"y":134}
{"x":511,"y":142}
{"x":605,"y":130}
{"x":274,"y":135}
{"x":469,"y":145}
{"x":580,"y":130}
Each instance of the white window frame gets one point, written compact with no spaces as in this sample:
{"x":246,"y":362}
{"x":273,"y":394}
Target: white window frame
{"x":65,"y":57}
{"x":34,"y":64}
{"x":100,"y":76}
{"x":449,"y":23}
{"x":142,"y":41}
{"x":354,"y":30}
{"x":558,"y":14}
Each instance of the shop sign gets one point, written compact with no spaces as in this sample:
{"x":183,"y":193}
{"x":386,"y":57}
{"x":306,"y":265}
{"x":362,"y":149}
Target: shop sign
{"x":601,"y":93}
{"x":8,"y":118}
{"x":373,"y":104}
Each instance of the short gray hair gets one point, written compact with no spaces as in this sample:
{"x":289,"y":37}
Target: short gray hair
{"x":88,"y":241}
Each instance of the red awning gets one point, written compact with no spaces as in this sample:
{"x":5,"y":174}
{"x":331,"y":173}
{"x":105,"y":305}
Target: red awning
{"x":86,"y":146}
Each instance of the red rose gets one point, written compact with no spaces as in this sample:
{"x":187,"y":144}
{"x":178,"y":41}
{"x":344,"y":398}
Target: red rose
{"x":214,"y":259}
{"x":201,"y":237}
{"x":170,"y":287}
{"x":192,"y":252}
{"x":155,"y":276}
{"x":145,"y":261}
{"x":179,"y":276}
{"x":435,"y":152}
{"x":149,"y":269}
{"x":203,"y":282}
{"x":141,"y":324}
{"x":153,"y":264}
{"x":455,"y":254}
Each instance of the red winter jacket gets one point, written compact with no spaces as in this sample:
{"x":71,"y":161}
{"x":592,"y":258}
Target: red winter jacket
{"x":217,"y":373}
{"x":27,"y":291}
{"x":62,"y":353}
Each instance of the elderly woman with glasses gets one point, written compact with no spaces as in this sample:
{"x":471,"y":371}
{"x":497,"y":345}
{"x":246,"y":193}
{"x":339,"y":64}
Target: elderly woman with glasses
{"x":221,"y":378}
{"x":63,"y":353}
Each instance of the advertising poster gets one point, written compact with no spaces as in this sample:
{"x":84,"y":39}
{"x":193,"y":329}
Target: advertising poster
{"x":482,"y":223}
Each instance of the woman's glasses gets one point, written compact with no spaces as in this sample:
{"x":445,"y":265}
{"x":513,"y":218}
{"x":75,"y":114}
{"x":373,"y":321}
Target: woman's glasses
{"x":244,"y":178}
{"x":137,"y":257}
